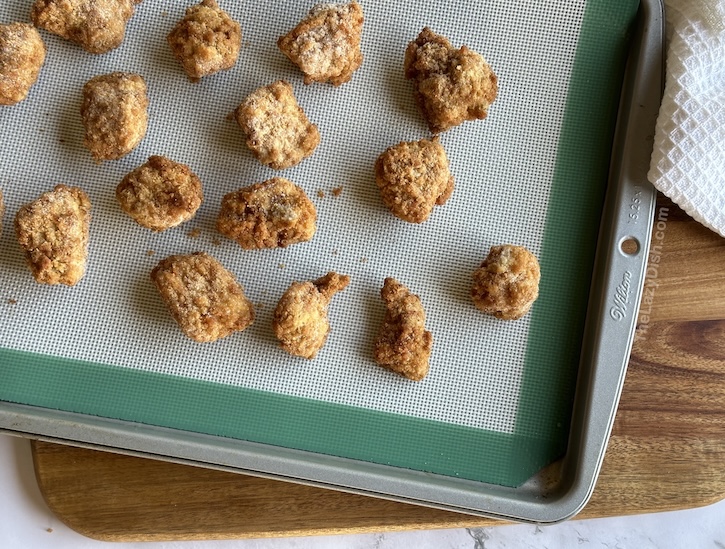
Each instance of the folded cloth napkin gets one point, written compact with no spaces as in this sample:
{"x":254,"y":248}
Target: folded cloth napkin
{"x":688,"y":160}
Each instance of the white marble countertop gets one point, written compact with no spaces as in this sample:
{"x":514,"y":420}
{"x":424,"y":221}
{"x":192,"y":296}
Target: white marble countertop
{"x":27,"y":523}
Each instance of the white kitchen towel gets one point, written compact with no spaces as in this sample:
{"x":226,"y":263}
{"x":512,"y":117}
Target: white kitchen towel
{"x":688,"y":160}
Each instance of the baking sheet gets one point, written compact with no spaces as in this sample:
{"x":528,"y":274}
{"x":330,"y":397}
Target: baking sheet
{"x":490,"y":381}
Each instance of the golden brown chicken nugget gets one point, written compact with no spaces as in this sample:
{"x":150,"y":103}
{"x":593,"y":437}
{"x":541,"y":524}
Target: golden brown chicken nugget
{"x":160,"y":194}
{"x":413,"y":177}
{"x":114,"y":113}
{"x":326,"y":44}
{"x":272,"y":214}
{"x":300,"y":320}
{"x":403,"y":345}
{"x":507,"y":282}
{"x":276,"y":128}
{"x":206,"y":40}
{"x":22,"y":54}
{"x":451,"y":85}
{"x":203,"y":297}
{"x":53,"y":230}
{"x":98,"y":26}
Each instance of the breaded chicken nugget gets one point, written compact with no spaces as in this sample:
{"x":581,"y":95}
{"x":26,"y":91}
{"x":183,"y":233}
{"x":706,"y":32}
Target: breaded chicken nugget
{"x":451,"y":85}
{"x":114,"y":113}
{"x":326,"y":44}
{"x":507,"y":282}
{"x":160,"y":194}
{"x":277,"y":130}
{"x":206,"y":40}
{"x":98,"y":26}
{"x":403,"y":346}
{"x":413,"y":177}
{"x":53,"y":230}
{"x":300,"y":319}
{"x":22,"y":54}
{"x":272,"y":214}
{"x":203,"y":297}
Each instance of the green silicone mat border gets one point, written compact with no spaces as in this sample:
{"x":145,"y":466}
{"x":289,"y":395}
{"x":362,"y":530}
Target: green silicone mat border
{"x":552,"y":357}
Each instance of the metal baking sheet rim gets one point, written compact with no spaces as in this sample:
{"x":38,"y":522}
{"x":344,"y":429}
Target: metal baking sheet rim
{"x":555,"y":494}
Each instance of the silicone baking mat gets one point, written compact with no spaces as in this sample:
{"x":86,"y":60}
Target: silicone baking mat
{"x":497,"y":402}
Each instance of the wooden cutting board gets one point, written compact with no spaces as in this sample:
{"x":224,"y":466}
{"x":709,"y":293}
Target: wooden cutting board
{"x":667,"y":449}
